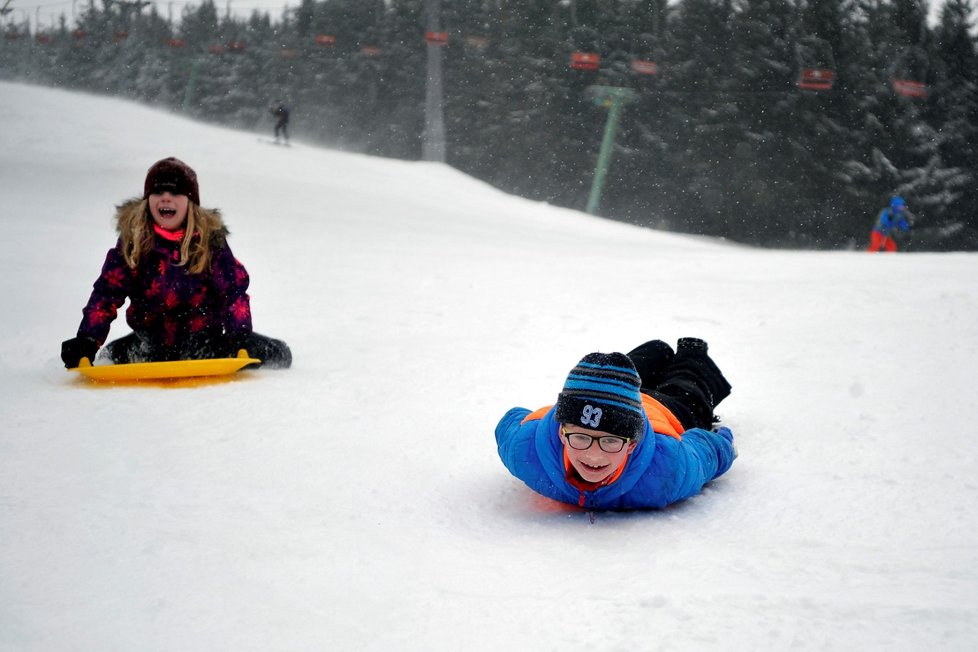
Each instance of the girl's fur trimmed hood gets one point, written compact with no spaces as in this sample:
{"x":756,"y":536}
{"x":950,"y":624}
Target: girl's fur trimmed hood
{"x":218,"y":237}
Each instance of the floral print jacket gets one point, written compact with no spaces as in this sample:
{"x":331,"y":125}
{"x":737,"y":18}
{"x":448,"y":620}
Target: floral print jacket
{"x":166,"y":302}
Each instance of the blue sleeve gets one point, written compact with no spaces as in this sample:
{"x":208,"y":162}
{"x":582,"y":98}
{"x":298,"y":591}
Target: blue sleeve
{"x":512,"y":441}
{"x":683,"y":467}
{"x":885,"y":223}
{"x":518,"y":450}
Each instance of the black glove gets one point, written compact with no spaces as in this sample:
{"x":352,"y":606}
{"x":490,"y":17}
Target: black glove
{"x":691,"y":345}
{"x":238,"y":341}
{"x":73,"y":350}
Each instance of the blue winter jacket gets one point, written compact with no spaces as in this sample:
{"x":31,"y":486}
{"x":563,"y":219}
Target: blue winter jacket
{"x":661,"y":470}
{"x":888,"y":220}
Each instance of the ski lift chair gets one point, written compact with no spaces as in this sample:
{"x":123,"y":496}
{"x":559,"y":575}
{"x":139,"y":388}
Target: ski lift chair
{"x":908,"y":74}
{"x":644,"y":61}
{"x":816,"y":64}
{"x":585,"y":51}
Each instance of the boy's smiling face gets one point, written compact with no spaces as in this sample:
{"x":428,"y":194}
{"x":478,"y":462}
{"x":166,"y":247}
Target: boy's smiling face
{"x":594,"y":464}
{"x":169,"y":211}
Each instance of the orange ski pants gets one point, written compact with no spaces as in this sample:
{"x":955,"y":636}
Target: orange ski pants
{"x":879,"y":241}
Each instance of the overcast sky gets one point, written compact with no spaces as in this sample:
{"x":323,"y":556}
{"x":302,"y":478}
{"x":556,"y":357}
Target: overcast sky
{"x":49,"y":10}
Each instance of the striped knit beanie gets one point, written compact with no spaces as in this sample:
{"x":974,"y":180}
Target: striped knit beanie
{"x":602,"y":393}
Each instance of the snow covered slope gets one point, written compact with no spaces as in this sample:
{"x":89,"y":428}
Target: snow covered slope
{"x":356,"y":502}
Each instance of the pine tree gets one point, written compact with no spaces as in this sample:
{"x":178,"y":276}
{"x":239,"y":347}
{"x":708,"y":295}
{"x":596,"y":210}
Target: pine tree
{"x":762,"y":172}
{"x":704,"y":111}
{"x":822,"y":126}
{"x":721,"y":139}
{"x":956,"y":97}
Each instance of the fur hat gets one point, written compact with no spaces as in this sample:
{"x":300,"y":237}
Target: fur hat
{"x":173,"y":175}
{"x":603,"y":393}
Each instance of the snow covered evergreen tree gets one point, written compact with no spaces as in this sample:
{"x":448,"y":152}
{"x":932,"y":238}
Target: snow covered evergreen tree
{"x":955,"y":93}
{"x":721,"y":136}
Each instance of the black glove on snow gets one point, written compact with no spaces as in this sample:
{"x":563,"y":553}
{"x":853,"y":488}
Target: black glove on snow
{"x":73,"y":350}
{"x":236,"y":342}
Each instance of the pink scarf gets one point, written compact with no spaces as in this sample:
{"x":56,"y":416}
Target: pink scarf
{"x":172,"y":236}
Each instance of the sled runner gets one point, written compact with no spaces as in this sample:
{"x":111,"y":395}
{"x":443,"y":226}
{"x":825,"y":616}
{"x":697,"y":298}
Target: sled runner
{"x":138,"y":371}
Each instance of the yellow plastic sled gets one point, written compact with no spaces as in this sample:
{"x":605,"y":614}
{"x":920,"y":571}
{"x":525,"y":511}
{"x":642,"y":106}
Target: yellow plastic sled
{"x":138,"y":371}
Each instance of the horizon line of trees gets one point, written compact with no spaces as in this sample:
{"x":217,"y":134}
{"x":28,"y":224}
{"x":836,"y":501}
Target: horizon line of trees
{"x":781,"y":123}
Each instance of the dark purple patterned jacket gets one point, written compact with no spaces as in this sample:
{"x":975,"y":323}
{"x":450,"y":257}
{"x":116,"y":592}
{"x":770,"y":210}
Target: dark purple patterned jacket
{"x":166,"y":302}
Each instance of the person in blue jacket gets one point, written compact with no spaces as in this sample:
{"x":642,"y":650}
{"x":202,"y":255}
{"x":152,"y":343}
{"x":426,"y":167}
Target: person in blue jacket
{"x":628,"y":431}
{"x":893,"y":218}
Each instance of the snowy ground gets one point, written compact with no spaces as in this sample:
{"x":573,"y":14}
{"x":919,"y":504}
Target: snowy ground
{"x":356,"y":502}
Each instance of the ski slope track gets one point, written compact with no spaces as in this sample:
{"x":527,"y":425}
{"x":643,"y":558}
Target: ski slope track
{"x":356,"y":501}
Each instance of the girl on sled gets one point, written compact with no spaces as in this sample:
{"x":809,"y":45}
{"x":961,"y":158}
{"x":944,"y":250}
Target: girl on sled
{"x":187,"y":292}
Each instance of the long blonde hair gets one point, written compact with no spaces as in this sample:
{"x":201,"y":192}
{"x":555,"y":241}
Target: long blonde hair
{"x":204,"y":228}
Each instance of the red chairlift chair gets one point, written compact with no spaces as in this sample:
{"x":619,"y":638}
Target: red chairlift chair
{"x":816,"y":79}
{"x":476,"y":42}
{"x":910,"y":88}
{"x":436,"y":38}
{"x":909,"y":72}
{"x":816,"y":64}
{"x":585,"y":49}
{"x":585,"y":60}
{"x":645,"y":67}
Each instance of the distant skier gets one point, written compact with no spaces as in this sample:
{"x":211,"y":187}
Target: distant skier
{"x":281,"y":113}
{"x":627,"y":432}
{"x":188,"y":294}
{"x":895,"y":217}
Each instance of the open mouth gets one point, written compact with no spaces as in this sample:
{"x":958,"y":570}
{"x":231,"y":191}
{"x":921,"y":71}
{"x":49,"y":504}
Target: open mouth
{"x":590,"y":467}
{"x":167,"y":212}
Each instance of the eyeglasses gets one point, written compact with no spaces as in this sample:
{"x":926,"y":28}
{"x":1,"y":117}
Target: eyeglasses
{"x":582,"y":442}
